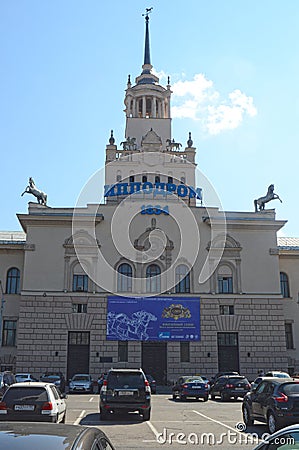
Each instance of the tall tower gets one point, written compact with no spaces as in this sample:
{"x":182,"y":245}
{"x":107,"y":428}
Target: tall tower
{"x":147,"y":102}
{"x":149,"y":154}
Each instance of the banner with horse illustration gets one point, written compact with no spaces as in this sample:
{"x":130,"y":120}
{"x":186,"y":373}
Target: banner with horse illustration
{"x":153,"y":318}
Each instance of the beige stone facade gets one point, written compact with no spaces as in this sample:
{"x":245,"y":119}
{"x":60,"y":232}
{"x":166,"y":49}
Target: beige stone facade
{"x":57,"y":275}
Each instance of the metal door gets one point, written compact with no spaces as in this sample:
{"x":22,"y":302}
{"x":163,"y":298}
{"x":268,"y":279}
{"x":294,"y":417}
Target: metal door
{"x":228,"y":352}
{"x":154,"y":360}
{"x":78,"y":353}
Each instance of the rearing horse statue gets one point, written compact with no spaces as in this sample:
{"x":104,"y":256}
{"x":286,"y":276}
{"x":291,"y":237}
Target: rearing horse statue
{"x":260,"y":202}
{"x":32,"y":189}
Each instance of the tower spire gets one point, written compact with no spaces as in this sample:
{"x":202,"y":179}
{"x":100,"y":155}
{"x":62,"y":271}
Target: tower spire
{"x":147,"y":56}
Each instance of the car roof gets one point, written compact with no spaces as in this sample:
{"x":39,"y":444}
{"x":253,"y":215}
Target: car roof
{"x":31,"y":384}
{"x":126,"y":370}
{"x":282,"y":432}
{"x":31,"y":435}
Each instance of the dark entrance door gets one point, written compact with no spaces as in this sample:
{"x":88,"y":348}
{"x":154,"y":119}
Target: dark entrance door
{"x":78,"y":353}
{"x":154,"y":360}
{"x":228,"y":352}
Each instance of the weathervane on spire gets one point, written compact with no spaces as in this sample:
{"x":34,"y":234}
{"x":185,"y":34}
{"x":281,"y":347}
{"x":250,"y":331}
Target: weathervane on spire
{"x":147,"y":12}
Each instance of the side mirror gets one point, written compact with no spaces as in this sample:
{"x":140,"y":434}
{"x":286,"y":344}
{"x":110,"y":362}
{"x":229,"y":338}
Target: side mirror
{"x":63,"y":395}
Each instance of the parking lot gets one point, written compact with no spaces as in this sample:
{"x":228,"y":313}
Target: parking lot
{"x":173,"y":424}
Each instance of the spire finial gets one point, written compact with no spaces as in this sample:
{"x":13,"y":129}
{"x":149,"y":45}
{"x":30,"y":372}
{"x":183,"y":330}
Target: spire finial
{"x":147,"y":56}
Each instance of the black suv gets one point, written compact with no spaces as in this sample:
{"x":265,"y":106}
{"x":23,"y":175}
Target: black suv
{"x":274,"y":401}
{"x":6,"y":379}
{"x":232,"y":386}
{"x":125,"y":390}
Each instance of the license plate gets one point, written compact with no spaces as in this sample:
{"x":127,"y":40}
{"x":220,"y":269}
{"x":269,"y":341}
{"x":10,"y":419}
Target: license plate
{"x":196,"y":387}
{"x":125,"y":393}
{"x":239,"y":389}
{"x":24,"y":407}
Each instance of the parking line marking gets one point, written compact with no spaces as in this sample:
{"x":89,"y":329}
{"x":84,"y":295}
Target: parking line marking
{"x":153,"y":429}
{"x":219,"y":423}
{"x":77,"y":421}
{"x":91,"y":399}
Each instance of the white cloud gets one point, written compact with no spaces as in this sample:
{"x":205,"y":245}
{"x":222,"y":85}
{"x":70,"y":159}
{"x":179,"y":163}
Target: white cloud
{"x":199,"y":100}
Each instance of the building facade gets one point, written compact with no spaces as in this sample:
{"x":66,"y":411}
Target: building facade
{"x":154,"y":242}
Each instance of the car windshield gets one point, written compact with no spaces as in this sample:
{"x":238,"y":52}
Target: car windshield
{"x":237,"y":380}
{"x":52,"y":377}
{"x":291,"y":389}
{"x":125,"y":380}
{"x":193,"y":380}
{"x":81,"y":378}
{"x":26,"y":394}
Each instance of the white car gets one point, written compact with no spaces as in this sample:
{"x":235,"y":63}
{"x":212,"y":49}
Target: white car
{"x":23,"y":377}
{"x":33,"y":402}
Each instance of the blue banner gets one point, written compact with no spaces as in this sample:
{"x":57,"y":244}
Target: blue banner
{"x":153,"y":319}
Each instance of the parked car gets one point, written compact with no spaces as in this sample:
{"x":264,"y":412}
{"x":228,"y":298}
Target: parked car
{"x":232,"y":386}
{"x":23,"y":377}
{"x":152,"y":383}
{"x":275,"y":401}
{"x":256,"y":382}
{"x":56,"y":378}
{"x":221,"y":374}
{"x":277,"y":374}
{"x":205,"y":379}
{"x":285,"y":439}
{"x":33,"y":401}
{"x":193,"y":386}
{"x":81,"y":382}
{"x":125,"y":390}
{"x":6,"y":379}
{"x":29,"y":436}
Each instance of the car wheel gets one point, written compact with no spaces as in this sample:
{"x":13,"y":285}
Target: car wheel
{"x":63,"y":419}
{"x":206,"y":398}
{"x":173,"y":397}
{"x":146,"y":415}
{"x":272,"y":423}
{"x":212,"y":397}
{"x":246,"y":417}
{"x":182,"y":398}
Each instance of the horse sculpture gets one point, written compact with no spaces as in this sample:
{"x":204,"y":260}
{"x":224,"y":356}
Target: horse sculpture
{"x":129,"y":144}
{"x":32,"y":189}
{"x":171,"y":144}
{"x":260,"y":202}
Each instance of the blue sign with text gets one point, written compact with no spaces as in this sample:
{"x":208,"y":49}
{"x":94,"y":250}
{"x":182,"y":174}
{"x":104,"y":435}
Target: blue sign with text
{"x":153,"y":318}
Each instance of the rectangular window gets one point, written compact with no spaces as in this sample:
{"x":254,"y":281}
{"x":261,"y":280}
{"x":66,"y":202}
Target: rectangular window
{"x":185,"y":351}
{"x":79,"y":308}
{"x":80,"y":283}
{"x":289,"y":336}
{"x":225,"y":285}
{"x":79,"y":338}
{"x":226,"y":310}
{"x":123,"y":351}
{"x":228,"y":339}
{"x":9,"y":333}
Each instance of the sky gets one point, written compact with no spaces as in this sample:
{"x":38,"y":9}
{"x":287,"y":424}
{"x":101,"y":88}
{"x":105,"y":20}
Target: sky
{"x":234,"y":71}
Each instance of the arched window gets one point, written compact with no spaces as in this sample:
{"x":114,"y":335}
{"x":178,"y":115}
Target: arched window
{"x":124,"y":278}
{"x":144,"y":178}
{"x":284,"y":285}
{"x":153,"y":280}
{"x":225,"y":280}
{"x":157,"y":179}
{"x":80,"y":279}
{"x":13,"y":281}
{"x":182,"y":279}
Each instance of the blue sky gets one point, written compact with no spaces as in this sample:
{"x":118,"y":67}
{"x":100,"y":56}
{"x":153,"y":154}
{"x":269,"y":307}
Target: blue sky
{"x":233,"y":65}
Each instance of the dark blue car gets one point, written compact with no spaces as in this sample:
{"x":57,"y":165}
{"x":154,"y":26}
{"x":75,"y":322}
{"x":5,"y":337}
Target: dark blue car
{"x":192,"y":386}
